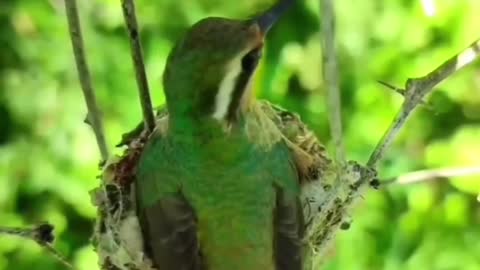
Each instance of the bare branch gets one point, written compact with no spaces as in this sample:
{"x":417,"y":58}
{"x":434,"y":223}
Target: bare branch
{"x":128,"y":8}
{"x":426,"y":175}
{"x":330,"y":75}
{"x":84,"y":76}
{"x":416,"y":89}
{"x":42,"y":235}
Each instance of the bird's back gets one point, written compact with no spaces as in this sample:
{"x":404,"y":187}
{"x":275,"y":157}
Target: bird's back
{"x":235,"y":207}
{"x":241,"y":200}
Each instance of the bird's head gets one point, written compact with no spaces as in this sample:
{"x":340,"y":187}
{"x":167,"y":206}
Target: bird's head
{"x":208,"y":72}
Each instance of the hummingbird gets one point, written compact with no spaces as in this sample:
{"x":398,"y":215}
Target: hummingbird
{"x":218,"y":188}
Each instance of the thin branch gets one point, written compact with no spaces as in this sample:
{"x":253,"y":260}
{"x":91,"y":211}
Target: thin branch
{"x":401,"y":92}
{"x":416,"y":89}
{"x":84,"y":76}
{"x":426,"y":175}
{"x":330,"y":76}
{"x":397,"y":90}
{"x":42,"y":235}
{"x":128,"y":8}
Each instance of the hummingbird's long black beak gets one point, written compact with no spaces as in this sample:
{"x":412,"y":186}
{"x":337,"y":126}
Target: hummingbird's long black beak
{"x":268,"y":18}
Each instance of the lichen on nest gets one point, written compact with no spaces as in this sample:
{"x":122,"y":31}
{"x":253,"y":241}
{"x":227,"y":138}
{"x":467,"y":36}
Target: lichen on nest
{"x":117,"y":236}
{"x":326,"y":198}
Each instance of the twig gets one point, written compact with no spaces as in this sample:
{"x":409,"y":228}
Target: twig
{"x":128,"y":8}
{"x":416,"y":89}
{"x":392,"y":87}
{"x":426,"y":175}
{"x":84,"y":76}
{"x":401,"y":92}
{"x":330,"y":75}
{"x":42,"y":235}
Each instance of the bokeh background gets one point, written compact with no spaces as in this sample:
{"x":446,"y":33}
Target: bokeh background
{"x":48,"y":156}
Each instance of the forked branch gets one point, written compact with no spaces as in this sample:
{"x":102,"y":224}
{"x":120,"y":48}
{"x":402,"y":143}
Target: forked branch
{"x":416,"y":89}
{"x":128,"y":8}
{"x":93,"y":116}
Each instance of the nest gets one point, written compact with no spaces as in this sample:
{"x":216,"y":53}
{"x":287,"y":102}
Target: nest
{"x":326,"y":196}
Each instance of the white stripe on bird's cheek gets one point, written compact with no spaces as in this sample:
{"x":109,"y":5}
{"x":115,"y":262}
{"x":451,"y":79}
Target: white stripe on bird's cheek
{"x":226,"y":87}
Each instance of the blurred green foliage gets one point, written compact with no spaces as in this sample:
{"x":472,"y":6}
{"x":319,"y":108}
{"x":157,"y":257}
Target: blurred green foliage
{"x":48,"y":157}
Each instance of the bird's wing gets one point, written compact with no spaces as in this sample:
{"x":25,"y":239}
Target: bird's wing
{"x":169,"y":227}
{"x":288,"y":214}
{"x":289,"y":230}
{"x":313,"y":168}
{"x":168,"y":221}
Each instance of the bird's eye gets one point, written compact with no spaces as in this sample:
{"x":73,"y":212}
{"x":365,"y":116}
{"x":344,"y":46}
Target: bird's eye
{"x":250,"y":60}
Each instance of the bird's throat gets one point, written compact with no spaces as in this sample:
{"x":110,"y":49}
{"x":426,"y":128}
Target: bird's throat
{"x":234,"y":93}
